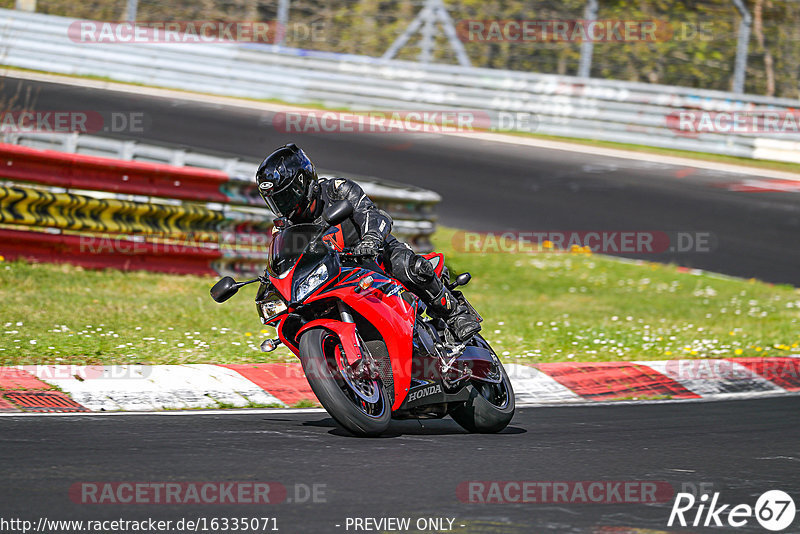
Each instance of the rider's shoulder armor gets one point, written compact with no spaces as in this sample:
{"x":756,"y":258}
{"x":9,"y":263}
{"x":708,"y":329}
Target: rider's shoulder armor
{"x":337,"y":188}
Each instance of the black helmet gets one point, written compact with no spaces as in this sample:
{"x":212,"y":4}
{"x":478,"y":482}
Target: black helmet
{"x":285,"y":180}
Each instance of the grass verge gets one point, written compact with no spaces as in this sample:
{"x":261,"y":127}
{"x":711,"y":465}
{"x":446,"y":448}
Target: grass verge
{"x":537,"y":307}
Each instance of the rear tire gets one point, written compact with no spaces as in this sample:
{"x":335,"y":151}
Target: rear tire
{"x":335,"y":393}
{"x":490,"y":407}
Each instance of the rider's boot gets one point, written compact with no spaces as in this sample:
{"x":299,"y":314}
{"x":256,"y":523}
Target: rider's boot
{"x":445,"y":306}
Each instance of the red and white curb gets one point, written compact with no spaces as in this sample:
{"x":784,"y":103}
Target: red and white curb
{"x":143,"y":388}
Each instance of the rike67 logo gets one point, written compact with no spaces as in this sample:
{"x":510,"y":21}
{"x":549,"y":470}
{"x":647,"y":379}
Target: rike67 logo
{"x":774,"y":510}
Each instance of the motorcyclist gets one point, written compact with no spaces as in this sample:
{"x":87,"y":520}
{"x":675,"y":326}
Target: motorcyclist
{"x":288,"y":183}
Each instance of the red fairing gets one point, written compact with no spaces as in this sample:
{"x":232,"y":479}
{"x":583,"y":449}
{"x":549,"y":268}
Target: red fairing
{"x":284,"y":284}
{"x":394,"y":318}
{"x":335,"y":237}
{"x":345,"y":331}
{"x":437,"y":260}
{"x":286,"y":341}
{"x":284,"y":287}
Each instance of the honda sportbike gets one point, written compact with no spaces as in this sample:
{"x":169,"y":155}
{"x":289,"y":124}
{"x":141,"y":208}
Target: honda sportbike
{"x":367,"y":350}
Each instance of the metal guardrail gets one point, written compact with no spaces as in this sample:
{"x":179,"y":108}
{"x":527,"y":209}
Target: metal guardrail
{"x":610,"y":110}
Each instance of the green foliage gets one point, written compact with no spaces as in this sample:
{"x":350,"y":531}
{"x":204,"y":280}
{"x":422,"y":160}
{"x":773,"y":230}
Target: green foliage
{"x":696,"y":47}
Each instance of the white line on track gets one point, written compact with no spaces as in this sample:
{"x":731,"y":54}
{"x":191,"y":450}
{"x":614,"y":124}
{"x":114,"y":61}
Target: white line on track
{"x":298,"y":411}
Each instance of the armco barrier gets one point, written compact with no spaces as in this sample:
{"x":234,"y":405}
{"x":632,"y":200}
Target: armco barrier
{"x":99,"y":252}
{"x":104,"y":174}
{"x":610,"y":110}
{"x":29,"y":206}
{"x":103,"y":212}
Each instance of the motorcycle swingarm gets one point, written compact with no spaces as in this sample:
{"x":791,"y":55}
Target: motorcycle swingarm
{"x":480,"y":363}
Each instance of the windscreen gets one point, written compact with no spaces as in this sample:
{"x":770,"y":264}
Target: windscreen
{"x":288,"y":245}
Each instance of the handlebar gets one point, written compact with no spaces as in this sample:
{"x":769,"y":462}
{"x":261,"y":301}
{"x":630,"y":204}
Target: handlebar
{"x":348,"y":254}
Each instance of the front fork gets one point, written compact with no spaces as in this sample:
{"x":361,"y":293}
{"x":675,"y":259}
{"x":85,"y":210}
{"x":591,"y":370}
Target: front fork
{"x":365,"y":366}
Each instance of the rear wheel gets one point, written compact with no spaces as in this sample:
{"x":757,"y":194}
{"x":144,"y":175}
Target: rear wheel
{"x":359,"y":404}
{"x":490,"y":407}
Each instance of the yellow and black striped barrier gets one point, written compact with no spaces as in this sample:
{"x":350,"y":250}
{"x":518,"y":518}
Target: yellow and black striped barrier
{"x":29,"y":206}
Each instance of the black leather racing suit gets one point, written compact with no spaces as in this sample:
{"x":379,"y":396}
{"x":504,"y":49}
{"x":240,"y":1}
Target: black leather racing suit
{"x":414,"y":271}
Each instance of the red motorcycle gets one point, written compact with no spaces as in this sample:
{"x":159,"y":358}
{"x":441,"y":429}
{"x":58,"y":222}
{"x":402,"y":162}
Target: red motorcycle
{"x":367,"y":351}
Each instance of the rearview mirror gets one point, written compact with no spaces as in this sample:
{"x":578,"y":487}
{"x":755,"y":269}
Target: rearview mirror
{"x":337,"y":212}
{"x":461,"y":280}
{"x":224,"y":289}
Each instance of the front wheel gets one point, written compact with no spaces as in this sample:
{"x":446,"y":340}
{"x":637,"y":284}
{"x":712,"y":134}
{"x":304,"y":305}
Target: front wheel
{"x":361,"y":405}
{"x":489,"y":408}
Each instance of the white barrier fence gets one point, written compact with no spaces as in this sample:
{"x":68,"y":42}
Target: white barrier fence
{"x":609,"y":110}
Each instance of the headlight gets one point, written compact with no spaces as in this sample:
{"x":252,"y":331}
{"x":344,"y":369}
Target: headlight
{"x":312,"y":282}
{"x":274,"y":305}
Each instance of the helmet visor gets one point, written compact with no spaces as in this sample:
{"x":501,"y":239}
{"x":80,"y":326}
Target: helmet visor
{"x":286,"y":201}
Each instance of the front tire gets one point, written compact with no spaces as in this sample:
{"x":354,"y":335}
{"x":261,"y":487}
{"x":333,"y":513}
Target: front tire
{"x":490,"y":407}
{"x":318,"y":351}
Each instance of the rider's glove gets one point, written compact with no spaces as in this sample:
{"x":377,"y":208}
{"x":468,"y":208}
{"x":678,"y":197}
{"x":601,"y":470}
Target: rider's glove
{"x":369,"y":245}
{"x":279,"y":224}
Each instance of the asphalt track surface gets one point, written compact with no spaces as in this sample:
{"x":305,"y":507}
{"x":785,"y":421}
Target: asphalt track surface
{"x":490,"y":186}
{"x":738,"y":448}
